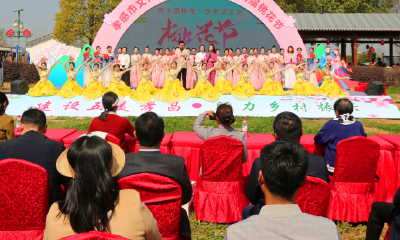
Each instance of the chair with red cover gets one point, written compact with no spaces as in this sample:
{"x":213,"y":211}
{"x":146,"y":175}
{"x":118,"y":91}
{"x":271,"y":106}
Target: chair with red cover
{"x":352,"y":187}
{"x":113,"y":139}
{"x":94,"y":235}
{"x":219,"y":195}
{"x":24,"y":198}
{"x":162,"y":196}
{"x":313,"y":198}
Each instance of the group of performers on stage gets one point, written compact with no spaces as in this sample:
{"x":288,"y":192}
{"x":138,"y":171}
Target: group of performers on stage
{"x":166,"y":78}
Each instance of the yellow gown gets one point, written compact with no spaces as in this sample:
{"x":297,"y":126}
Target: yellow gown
{"x":223,"y":85}
{"x":173,"y":90}
{"x":145,"y":91}
{"x":119,"y":87}
{"x":204,"y":89}
{"x":44,"y":87}
{"x":243,"y":89}
{"x":303,"y":87}
{"x":94,"y":89}
{"x":330,"y":88}
{"x":271,"y":87}
{"x":71,"y":87}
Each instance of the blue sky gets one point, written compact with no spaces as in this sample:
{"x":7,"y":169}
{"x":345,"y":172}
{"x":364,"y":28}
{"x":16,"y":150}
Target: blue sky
{"x":38,"y":16}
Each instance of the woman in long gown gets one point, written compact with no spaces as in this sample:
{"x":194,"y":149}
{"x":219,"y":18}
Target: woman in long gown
{"x":173,"y":91}
{"x":86,"y":58}
{"x":108,"y":58}
{"x":117,"y":85}
{"x":95,"y":89}
{"x":290,"y":76}
{"x":229,"y":63}
{"x":302,"y":86}
{"x":71,"y":87}
{"x":146,"y":91}
{"x":276,"y":59}
{"x":135,"y":73}
{"x":223,"y":84}
{"x":236,"y":75}
{"x":244,"y":89}
{"x":271,"y":86}
{"x":191,"y":76}
{"x":203,"y":88}
{"x":262,"y":58}
{"x":211,"y":58}
{"x":44,"y":87}
{"x":158,"y":70}
{"x":146,"y":57}
{"x":252,"y":61}
{"x":329,"y":87}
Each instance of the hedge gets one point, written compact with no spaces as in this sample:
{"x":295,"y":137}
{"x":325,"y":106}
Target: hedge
{"x":20,"y":71}
{"x":389,"y":76}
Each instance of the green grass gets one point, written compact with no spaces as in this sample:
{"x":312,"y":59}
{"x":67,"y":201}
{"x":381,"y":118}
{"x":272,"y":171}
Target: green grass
{"x":393,"y":90}
{"x":392,"y":128}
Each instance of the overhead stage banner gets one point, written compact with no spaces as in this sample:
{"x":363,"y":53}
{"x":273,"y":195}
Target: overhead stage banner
{"x":257,"y":106}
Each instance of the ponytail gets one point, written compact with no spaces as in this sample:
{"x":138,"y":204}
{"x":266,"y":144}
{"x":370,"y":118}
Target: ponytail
{"x":108,"y":101}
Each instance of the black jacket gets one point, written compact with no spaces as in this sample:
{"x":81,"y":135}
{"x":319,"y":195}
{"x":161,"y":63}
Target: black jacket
{"x":166,"y":165}
{"x":316,"y":168}
{"x":38,"y":149}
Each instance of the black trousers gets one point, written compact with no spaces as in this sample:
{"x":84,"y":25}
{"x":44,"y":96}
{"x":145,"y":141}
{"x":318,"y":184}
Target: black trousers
{"x":185,"y":232}
{"x":126,"y":77}
{"x":183,"y":74}
{"x":381,"y":213}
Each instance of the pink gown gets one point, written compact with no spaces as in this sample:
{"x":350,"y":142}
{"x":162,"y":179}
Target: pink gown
{"x":213,"y":57}
{"x":252,"y":61}
{"x":260,"y":73}
{"x":277,"y":66}
{"x":236,"y":75}
{"x":135,"y":77}
{"x":156,"y":75}
{"x":191,"y":77}
{"x":228,"y":61}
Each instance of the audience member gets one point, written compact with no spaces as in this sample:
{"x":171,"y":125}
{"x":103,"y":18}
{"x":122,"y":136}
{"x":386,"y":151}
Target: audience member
{"x":149,"y":132}
{"x":381,"y":213}
{"x":287,"y":125}
{"x":6,"y":122}
{"x":225,"y":119}
{"x":342,"y":127}
{"x":110,"y":122}
{"x":94,"y":201}
{"x":284,"y":166}
{"x":379,"y":63}
{"x":36,"y":148}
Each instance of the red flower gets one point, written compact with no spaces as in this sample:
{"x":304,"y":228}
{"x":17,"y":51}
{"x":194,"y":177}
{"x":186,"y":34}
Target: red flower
{"x":96,"y":54}
{"x":86,"y":55}
{"x":171,"y":54}
{"x":106,"y":56}
{"x":246,"y":56}
{"x":299,"y":56}
{"x":231,"y":55}
{"x":312,"y":56}
{"x":27,"y":33}
{"x":10,"y":33}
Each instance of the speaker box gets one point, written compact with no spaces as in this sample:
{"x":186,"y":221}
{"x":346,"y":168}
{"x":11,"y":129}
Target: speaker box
{"x":19,"y":87}
{"x":374,"y":88}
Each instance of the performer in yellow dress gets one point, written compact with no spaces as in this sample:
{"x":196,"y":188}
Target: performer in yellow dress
{"x":117,"y":86}
{"x":145,"y":91}
{"x":44,"y":87}
{"x":244,"y":89}
{"x":223,"y":84}
{"x":95,"y":88}
{"x":173,"y":91}
{"x":329,"y":87}
{"x":303,"y":87}
{"x":271,"y":86}
{"x":71,"y":87}
{"x":203,"y":88}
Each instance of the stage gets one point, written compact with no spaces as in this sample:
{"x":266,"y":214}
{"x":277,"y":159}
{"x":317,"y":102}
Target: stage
{"x":256,"y":106}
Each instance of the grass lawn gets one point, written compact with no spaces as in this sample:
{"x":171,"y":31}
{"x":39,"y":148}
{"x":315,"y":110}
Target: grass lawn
{"x":256,"y":125}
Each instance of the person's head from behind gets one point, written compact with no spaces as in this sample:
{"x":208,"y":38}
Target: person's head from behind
{"x":343,"y":106}
{"x":287,"y":125}
{"x":110,"y":102}
{"x":224,"y":114}
{"x":92,"y":163}
{"x":149,"y":130}
{"x":33,"y":119}
{"x":3,"y":103}
{"x":284,"y":165}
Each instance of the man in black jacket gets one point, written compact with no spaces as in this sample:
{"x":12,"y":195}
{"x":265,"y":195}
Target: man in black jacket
{"x":34,"y":147}
{"x":149,"y":131}
{"x":287,"y":125}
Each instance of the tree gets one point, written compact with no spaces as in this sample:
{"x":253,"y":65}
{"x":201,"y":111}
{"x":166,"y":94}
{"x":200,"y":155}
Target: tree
{"x":78,"y":21}
{"x":3,"y":42}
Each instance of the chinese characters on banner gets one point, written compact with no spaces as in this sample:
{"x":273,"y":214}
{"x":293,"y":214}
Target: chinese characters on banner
{"x":265,"y":11}
{"x":208,"y":11}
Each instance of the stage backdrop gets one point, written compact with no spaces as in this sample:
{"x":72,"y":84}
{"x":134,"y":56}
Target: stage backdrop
{"x":222,"y":23}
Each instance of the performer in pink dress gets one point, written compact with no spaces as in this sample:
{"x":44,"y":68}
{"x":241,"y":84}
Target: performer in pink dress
{"x":262,"y":58}
{"x":191,"y":76}
{"x":229,"y":61}
{"x":252,"y":61}
{"x":236,"y":75}
{"x":282,"y":64}
{"x":210,"y":59}
{"x":147,"y":56}
{"x":166,"y":59}
{"x":290,"y":61}
{"x":135,"y":72}
{"x":276,"y":59}
{"x":157,"y":72}
{"x":218,"y":64}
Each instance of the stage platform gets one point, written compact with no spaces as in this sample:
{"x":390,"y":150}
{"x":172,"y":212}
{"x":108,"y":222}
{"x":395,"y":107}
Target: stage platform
{"x":256,"y":106}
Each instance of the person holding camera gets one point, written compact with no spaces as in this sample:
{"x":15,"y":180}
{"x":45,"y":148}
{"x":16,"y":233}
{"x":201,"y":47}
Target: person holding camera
{"x":225,"y":119}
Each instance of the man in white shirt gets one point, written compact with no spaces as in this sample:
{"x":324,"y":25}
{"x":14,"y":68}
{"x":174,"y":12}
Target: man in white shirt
{"x":200,"y":56}
{"x":284,"y":166}
{"x":125,"y":61}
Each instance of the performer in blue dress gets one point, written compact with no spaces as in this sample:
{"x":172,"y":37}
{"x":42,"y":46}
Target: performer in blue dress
{"x":324,"y":59}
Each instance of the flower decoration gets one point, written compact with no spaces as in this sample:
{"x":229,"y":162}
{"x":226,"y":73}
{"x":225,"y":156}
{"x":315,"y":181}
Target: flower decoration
{"x":299,"y":56}
{"x":106,"y":56}
{"x":86,"y":55}
{"x":97,"y":60}
{"x":175,"y":59}
{"x":246,"y":56}
{"x":117,"y":61}
{"x":372,"y":115}
{"x":273,"y":60}
{"x":27,"y":34}
{"x":96,"y":54}
{"x":10,"y":33}
{"x":108,"y":18}
{"x":312,"y":56}
{"x":290,"y":21}
{"x":380,"y":103}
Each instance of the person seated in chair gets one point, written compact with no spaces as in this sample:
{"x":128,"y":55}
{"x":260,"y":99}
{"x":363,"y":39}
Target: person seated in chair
{"x":225,"y":119}
{"x":287,"y":125}
{"x":33,"y":146}
{"x":149,"y":131}
{"x":342,"y":127}
{"x":6,"y":122}
{"x":284,"y":165}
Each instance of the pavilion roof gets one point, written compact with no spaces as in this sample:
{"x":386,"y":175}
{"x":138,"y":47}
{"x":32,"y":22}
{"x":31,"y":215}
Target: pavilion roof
{"x":346,"y":21}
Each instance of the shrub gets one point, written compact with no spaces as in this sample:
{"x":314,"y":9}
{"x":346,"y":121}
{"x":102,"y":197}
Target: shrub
{"x":20,"y":71}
